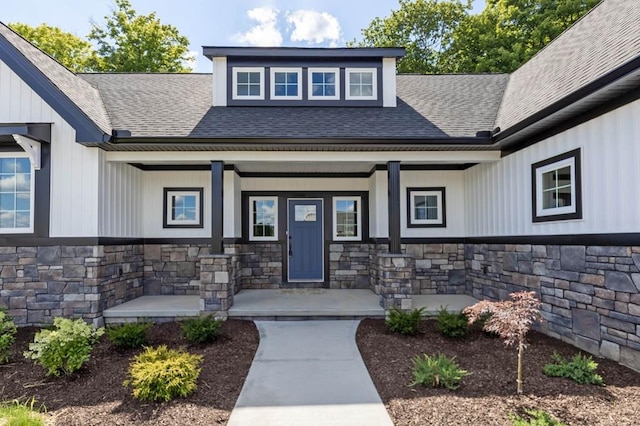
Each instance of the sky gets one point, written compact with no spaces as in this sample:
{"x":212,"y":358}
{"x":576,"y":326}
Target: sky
{"x":313,"y":23}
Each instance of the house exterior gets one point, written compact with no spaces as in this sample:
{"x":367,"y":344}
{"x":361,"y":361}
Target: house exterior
{"x":296,"y":167}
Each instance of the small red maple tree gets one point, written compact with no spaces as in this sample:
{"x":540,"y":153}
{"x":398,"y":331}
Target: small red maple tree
{"x":510,"y":319}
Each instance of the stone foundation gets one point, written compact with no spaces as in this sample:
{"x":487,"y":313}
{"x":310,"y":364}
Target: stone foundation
{"x":349,"y":266}
{"x":395,"y":276}
{"x":261,"y":265}
{"x":172,"y":269}
{"x":590,"y":294}
{"x":40,"y":283}
{"x":439,"y":268}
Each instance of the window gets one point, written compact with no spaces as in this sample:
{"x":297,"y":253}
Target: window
{"x":362,"y":83}
{"x":556,"y":188}
{"x":16,"y":195}
{"x":263,"y":218}
{"x":285,"y":83}
{"x":324,"y":83}
{"x":426,"y":208}
{"x":248,"y":83}
{"x":347,"y":224}
{"x":183,"y":208}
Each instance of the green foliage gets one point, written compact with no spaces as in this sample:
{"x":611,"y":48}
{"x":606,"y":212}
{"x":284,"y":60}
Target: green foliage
{"x":65,"y":347}
{"x":8,"y":332}
{"x":508,"y":33}
{"x":138,"y":43}
{"x":403,"y":322}
{"x":452,"y":324}
{"x":580,"y":368}
{"x":161,"y":374}
{"x":129,"y":335}
{"x":16,"y":413}
{"x":202,"y":329}
{"x":70,"y":50}
{"x":437,"y":371}
{"x":535,"y":418}
{"x":422,"y":27}
{"x":443,"y":37}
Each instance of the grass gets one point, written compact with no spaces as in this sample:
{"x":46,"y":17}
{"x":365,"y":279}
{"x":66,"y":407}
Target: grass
{"x":16,"y":413}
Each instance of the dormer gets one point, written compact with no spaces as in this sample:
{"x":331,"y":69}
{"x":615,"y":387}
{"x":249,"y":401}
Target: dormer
{"x":310,"y":77}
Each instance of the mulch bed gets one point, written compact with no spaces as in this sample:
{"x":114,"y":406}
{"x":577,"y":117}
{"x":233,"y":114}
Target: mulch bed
{"x":488,"y":395}
{"x":96,"y":396}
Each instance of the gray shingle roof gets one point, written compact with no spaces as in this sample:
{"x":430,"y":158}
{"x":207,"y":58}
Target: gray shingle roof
{"x":603,"y":40}
{"x":179,"y":105}
{"x":86,"y":97}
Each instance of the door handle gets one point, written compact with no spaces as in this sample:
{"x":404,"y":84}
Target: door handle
{"x":290,"y":246}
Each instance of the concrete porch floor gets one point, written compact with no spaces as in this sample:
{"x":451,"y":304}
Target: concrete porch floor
{"x":282,"y":304}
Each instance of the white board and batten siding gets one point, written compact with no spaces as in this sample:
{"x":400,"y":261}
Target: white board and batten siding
{"x":74,"y":168}
{"x":121,"y":200}
{"x":499,"y":199}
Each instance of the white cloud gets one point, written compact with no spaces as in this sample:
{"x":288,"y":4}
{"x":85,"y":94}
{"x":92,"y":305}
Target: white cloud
{"x":265,"y":33}
{"x":314,"y":27}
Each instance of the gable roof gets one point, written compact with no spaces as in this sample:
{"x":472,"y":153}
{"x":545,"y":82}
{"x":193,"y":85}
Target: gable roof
{"x":74,"y":99}
{"x":179,"y":106}
{"x":601,"y":47}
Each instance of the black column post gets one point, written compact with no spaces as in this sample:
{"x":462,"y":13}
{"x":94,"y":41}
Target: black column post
{"x":217,"y":207}
{"x":393,"y":182}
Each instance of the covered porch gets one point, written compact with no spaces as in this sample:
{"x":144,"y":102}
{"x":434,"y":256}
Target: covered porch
{"x":281,"y":304}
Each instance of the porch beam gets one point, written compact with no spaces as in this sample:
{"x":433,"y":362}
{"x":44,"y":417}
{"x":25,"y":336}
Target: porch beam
{"x":393,"y":181}
{"x":217,"y":207}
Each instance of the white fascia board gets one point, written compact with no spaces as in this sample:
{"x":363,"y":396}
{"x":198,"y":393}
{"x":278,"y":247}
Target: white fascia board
{"x":389,"y":82}
{"x":220,"y":81}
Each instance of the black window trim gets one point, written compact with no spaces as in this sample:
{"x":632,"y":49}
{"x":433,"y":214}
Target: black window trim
{"x":442,"y":191}
{"x":165,"y":213}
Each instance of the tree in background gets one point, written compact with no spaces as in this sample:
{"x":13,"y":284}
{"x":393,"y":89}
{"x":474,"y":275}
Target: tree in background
{"x":138,"y":43}
{"x":422,"y":27}
{"x":70,"y":50}
{"x":508,"y":33}
{"x":442,"y":37}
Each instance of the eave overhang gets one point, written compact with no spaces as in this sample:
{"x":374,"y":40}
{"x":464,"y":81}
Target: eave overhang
{"x":304,"y":52}
{"x":86,"y":129}
{"x":615,"y":84}
{"x":280,"y":144}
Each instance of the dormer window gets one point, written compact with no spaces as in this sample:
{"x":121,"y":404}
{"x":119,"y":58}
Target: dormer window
{"x":324,"y":83}
{"x":361,"y":84}
{"x":248,"y":83}
{"x":286,"y":83}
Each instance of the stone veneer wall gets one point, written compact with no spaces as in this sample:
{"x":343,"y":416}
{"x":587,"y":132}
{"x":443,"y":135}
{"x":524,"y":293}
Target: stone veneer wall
{"x":173,"y":269}
{"x":439,"y":268}
{"x":590,"y":294}
{"x":349,"y":265}
{"x":40,"y":283}
{"x":261,"y":265}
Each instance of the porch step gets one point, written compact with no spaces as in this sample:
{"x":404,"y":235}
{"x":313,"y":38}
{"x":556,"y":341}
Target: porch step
{"x":154,"y":308}
{"x":306,"y":304}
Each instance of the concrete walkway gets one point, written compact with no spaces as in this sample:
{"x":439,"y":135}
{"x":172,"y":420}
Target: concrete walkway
{"x":308,"y":373}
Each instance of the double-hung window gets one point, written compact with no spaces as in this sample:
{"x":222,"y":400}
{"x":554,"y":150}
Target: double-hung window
{"x":248,"y":83}
{"x":361,"y":84}
{"x":286,"y":83}
{"x":263,"y":218}
{"x":347,"y":222}
{"x":324,"y":83}
{"x":16,"y":194}
{"x":557,"y":188}
{"x":426,"y":208}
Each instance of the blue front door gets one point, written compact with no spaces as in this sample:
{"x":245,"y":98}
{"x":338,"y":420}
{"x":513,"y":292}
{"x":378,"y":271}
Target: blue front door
{"x":306,"y":254}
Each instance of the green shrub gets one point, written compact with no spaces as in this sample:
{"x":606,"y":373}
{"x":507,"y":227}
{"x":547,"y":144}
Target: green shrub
{"x":65,"y":347}
{"x":452,"y":324}
{"x":129,"y":335}
{"x":580,"y":368}
{"x":16,"y":413}
{"x":202,"y":329}
{"x":437,"y":371}
{"x":535,"y":418}
{"x":403,"y":322}
{"x":8,"y":332}
{"x":161,"y":374}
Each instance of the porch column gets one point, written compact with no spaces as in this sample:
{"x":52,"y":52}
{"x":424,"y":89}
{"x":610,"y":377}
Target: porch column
{"x":393,"y":180}
{"x":217,"y":207}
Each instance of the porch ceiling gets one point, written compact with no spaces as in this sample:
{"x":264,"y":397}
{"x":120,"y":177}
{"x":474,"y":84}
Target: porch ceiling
{"x":305,"y":167}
